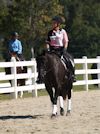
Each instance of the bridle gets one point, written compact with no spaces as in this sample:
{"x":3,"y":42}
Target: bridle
{"x":48,"y":70}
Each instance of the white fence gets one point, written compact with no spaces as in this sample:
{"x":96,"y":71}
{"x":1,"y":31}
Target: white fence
{"x":32,"y":75}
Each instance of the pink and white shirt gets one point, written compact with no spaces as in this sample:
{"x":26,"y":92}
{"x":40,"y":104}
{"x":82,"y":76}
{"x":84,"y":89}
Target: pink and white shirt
{"x":57,"y":38}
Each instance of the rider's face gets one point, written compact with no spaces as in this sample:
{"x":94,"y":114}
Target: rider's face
{"x":54,"y":24}
{"x":15,"y":37}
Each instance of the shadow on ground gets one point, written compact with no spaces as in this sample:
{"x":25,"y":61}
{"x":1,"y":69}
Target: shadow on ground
{"x":7,"y":117}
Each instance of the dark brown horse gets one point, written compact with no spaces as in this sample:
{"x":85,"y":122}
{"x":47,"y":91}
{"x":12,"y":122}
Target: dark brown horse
{"x":52,"y":71}
{"x":20,"y":82}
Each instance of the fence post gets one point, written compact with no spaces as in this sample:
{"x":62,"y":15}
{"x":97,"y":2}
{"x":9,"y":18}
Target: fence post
{"x":14,"y":81}
{"x":85,"y":67}
{"x":34,"y":70}
{"x":98,"y":67}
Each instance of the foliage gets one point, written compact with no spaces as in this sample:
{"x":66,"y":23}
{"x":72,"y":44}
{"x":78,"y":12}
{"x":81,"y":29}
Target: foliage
{"x":32,"y":20}
{"x":82,"y":24}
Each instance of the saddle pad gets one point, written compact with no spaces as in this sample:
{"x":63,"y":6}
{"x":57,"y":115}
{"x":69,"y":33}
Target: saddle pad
{"x":63,"y":61}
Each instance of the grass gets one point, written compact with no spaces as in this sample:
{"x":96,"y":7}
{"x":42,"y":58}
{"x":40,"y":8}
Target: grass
{"x":2,"y":70}
{"x":82,"y":88}
{"x":7,"y":96}
{"x":43,"y":92}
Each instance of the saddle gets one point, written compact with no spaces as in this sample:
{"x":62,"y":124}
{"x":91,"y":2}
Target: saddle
{"x":68,"y":64}
{"x":66,"y":61}
{"x":63,"y":61}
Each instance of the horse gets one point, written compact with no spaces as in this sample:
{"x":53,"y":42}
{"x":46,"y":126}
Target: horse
{"x":20,"y":82}
{"x":94,"y":76}
{"x":57,"y":80}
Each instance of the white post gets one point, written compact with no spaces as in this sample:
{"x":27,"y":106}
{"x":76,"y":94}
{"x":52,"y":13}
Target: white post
{"x":85,"y":67}
{"x":34,"y":70}
{"x":32,"y":51}
{"x":14,"y":81}
{"x":98,"y":67}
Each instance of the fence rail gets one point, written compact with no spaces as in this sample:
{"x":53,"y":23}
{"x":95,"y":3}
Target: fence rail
{"x":32,"y":75}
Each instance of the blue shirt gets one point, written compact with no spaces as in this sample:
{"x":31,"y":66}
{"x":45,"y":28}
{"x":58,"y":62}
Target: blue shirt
{"x":15,"y":46}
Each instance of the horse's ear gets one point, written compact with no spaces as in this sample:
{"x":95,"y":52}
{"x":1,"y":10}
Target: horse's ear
{"x":44,"y":52}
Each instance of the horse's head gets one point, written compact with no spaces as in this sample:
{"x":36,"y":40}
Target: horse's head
{"x":41,"y":67}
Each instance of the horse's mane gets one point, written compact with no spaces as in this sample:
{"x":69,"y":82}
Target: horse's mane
{"x":54,"y":57}
{"x":54,"y":65}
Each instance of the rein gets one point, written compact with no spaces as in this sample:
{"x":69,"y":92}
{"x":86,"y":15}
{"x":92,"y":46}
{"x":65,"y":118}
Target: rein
{"x":47,"y":70}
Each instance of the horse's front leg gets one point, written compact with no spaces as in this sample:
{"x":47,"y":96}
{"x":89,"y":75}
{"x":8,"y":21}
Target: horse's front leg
{"x":53,"y":99}
{"x":54,"y":106}
{"x":61,"y":105}
{"x":54,"y":102}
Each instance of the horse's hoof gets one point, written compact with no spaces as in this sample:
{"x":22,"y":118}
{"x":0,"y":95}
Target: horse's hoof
{"x":68,"y":113}
{"x":54,"y":115}
{"x":61,"y":111}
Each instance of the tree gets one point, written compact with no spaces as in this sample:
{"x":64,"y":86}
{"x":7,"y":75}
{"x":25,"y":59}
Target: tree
{"x":82,"y":24}
{"x":3,"y":13}
{"x":32,"y":20}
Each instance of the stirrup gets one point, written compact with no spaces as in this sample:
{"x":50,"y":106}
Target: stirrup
{"x":73,"y":78}
{"x":38,"y":81}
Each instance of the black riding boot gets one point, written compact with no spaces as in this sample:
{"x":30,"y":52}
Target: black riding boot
{"x":70,"y":65}
{"x":38,"y":81}
{"x":72,"y":70}
{"x":73,"y":74}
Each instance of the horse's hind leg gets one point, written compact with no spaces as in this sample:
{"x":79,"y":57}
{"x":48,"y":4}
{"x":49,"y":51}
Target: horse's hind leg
{"x":20,"y":82}
{"x":69,"y":102}
{"x":61,"y":104}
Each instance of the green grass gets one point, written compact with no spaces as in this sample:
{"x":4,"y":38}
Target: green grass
{"x":41,"y":92}
{"x":2,"y":70}
{"x":82,"y":88}
{"x":5,"y":97}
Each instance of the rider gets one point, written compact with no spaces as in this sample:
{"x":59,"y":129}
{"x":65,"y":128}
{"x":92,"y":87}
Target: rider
{"x":58,"y":40}
{"x":15,"y":46}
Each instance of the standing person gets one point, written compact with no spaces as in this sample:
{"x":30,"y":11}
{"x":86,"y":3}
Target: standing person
{"x":58,"y":41}
{"x":15,"y":46}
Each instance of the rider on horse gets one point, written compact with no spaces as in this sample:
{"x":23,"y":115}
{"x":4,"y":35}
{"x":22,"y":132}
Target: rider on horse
{"x":15,"y":46}
{"x":57,"y":41}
